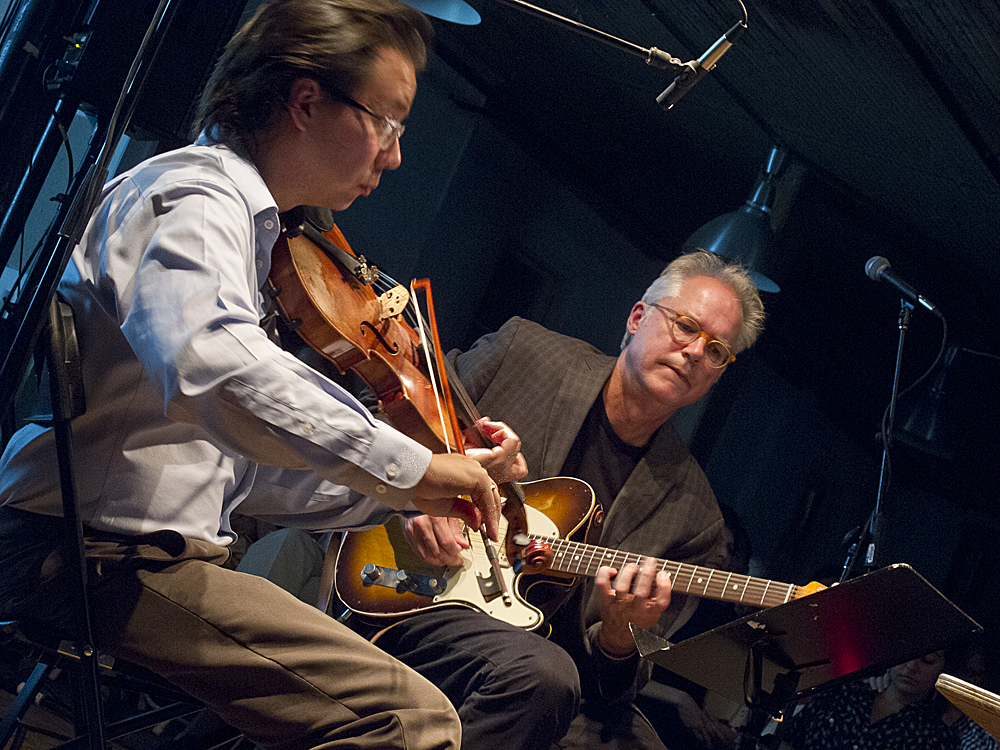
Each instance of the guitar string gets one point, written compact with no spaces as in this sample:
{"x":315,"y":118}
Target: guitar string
{"x":746,"y":589}
{"x":752,"y":590}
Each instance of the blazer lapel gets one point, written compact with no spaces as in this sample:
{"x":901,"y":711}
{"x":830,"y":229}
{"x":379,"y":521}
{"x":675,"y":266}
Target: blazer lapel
{"x":577,"y":393}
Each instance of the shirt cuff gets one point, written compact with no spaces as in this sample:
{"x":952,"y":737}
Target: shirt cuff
{"x":392,"y":467}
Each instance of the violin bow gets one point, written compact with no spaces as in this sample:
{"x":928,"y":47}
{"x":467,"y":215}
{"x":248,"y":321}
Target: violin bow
{"x":513,"y":509}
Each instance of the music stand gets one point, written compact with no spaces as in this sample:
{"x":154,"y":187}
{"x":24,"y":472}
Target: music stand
{"x":853,"y":630}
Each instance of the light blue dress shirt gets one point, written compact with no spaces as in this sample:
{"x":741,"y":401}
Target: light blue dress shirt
{"x":191,"y":409}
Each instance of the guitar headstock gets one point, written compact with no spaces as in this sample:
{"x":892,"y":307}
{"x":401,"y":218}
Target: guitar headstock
{"x":809,"y":588}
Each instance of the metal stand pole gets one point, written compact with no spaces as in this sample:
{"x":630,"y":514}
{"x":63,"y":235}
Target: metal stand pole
{"x":871,"y":537}
{"x":59,"y":247}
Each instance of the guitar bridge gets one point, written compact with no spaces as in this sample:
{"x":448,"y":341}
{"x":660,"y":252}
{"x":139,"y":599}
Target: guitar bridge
{"x":402,"y":581}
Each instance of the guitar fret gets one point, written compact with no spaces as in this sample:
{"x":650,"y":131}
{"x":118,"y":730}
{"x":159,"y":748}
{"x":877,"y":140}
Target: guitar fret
{"x":679,"y":573}
{"x":618,"y":559}
{"x":763,"y":596}
{"x":583,"y":559}
{"x":613,"y":562}
{"x":708,"y":582}
{"x":675,"y":578}
{"x":578,"y":550}
{"x":568,"y":557}
{"x":558,"y":554}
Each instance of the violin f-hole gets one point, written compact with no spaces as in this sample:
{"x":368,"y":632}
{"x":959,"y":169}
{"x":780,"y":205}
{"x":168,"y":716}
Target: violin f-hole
{"x":390,"y":347}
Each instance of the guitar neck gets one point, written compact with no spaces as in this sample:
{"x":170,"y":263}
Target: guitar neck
{"x":580,"y":559}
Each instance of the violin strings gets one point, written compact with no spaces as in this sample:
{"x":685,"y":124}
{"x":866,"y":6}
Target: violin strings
{"x":383,"y":283}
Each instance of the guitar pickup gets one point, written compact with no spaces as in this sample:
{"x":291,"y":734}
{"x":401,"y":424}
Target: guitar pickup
{"x":402,"y":581}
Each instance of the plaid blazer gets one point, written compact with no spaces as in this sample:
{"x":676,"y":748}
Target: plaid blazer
{"x":543,"y":384}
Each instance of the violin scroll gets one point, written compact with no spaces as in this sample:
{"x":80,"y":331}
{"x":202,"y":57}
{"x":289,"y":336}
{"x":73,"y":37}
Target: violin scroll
{"x":537,"y":556}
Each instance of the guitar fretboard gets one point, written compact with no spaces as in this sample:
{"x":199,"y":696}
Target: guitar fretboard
{"x":584,"y":560}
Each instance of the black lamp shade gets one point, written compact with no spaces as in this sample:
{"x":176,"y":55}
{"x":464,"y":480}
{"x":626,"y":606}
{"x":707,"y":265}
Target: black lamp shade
{"x":744,"y":236}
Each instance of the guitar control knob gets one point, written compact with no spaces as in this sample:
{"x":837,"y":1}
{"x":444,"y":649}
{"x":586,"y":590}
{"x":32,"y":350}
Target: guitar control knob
{"x":371,"y":574}
{"x":403,"y":581}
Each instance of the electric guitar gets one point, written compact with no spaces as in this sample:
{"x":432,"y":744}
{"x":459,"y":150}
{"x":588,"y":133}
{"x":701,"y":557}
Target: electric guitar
{"x":379,"y":575}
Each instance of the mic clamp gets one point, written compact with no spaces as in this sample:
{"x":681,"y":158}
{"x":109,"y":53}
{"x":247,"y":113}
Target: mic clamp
{"x":694,"y":71}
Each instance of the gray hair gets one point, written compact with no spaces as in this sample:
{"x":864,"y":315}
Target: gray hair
{"x":334,"y":42}
{"x":733,"y":275}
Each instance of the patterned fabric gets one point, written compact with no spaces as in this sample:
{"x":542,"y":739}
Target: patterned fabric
{"x":840,"y":719}
{"x":971,"y":736}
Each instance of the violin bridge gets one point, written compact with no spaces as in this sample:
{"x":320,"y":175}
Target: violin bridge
{"x":393,"y":302}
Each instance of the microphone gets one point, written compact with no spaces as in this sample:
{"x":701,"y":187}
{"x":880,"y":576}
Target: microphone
{"x":878,"y":269}
{"x":696,"y":70}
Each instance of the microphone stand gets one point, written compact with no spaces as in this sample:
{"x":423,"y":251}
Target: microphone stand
{"x":653,"y":56}
{"x":871,"y":537}
{"x":686,"y":74}
{"x":86,"y":192}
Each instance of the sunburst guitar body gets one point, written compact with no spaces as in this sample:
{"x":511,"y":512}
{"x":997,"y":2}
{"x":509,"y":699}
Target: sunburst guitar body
{"x":379,"y":575}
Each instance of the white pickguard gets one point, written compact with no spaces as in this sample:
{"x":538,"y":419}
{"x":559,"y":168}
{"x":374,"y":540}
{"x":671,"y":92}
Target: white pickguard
{"x":462,"y":587}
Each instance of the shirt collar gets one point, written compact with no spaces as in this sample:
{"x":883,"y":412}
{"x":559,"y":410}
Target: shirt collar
{"x":258,"y":197}
{"x":244,"y":174}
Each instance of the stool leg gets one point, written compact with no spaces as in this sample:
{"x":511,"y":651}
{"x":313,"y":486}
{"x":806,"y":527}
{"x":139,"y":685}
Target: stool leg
{"x":65,"y":382}
{"x":22,"y":701}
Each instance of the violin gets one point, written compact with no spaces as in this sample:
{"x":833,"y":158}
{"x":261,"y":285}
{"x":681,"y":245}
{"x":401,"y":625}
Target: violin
{"x":326,"y":295}
{"x":329,"y":297}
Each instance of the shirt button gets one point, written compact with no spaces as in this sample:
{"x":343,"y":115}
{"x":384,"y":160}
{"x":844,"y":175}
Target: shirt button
{"x":260,"y":263}
{"x":308,"y":428}
{"x":391,"y":470}
{"x":380,"y":489}
{"x":268,"y":224}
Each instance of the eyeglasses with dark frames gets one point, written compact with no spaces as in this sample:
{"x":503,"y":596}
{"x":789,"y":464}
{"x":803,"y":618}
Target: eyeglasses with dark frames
{"x":686,"y":330}
{"x":390,"y":131}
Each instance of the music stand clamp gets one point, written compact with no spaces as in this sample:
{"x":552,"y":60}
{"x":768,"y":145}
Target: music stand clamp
{"x":774,"y":657}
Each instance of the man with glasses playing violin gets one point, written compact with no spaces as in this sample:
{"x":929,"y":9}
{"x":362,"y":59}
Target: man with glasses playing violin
{"x":603,"y":419}
{"x":193,"y":412}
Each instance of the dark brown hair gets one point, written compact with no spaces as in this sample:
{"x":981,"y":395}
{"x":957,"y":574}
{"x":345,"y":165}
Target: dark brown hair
{"x":332,"y":41}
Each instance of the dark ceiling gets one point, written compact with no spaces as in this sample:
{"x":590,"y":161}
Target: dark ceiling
{"x":889,"y":111}
{"x":896,"y":102}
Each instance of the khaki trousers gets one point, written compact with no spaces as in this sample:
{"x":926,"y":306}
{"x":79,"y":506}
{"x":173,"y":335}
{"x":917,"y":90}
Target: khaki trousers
{"x":282,"y":672}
